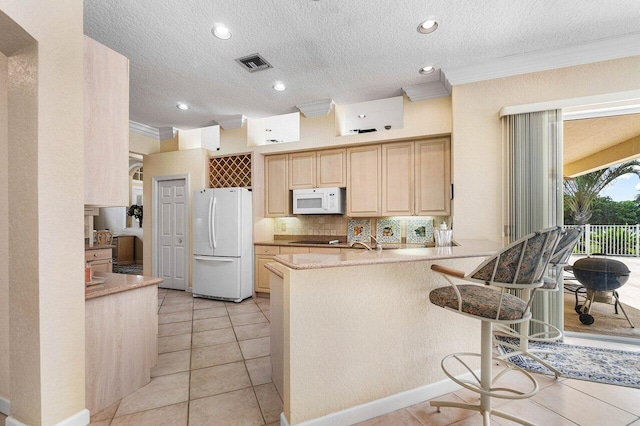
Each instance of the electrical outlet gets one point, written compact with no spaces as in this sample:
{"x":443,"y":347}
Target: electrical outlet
{"x":283,"y":226}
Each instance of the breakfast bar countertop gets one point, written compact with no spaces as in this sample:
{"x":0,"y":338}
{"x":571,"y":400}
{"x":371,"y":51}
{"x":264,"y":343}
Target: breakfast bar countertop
{"x":117,"y":283}
{"x":464,"y":249}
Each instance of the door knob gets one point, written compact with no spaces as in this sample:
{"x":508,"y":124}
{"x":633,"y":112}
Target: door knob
{"x":180,"y":241}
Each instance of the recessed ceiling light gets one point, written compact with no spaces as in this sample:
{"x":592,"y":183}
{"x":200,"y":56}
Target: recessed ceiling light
{"x":427,"y":70}
{"x":279,"y":87}
{"x":221,"y":32}
{"x":428,"y":26}
{"x":182,"y":106}
{"x":361,"y":115}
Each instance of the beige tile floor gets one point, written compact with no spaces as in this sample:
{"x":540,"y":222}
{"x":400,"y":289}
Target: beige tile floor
{"x":214,"y":369}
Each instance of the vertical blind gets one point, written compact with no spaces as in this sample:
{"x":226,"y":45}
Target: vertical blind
{"x":534,"y":189}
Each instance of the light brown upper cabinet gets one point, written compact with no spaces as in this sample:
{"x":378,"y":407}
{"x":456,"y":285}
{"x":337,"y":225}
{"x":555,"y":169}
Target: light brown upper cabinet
{"x":364,"y":181}
{"x":106,"y":126}
{"x":302,"y":170}
{"x":433,"y":177}
{"x":397,"y":179}
{"x":276,"y":185}
{"x":317,"y":169}
{"x":331,"y":168}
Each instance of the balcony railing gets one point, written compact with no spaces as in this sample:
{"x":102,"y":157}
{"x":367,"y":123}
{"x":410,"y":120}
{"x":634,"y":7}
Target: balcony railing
{"x":615,"y":240}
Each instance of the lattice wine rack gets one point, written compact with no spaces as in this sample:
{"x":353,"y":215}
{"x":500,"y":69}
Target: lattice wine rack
{"x":230,"y":171}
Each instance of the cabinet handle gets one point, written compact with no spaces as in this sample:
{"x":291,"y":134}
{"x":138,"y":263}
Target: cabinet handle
{"x":95,"y":255}
{"x":266,"y":250}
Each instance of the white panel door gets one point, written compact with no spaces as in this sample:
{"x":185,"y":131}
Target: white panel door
{"x":172,"y":231}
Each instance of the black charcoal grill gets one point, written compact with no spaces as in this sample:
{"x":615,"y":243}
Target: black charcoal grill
{"x":600,"y":278}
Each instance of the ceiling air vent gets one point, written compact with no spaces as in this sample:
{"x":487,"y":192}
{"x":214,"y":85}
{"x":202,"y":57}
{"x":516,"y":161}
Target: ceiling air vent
{"x":253,"y":63}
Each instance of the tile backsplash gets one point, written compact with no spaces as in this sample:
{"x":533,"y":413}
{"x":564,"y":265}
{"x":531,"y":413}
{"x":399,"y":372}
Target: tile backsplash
{"x":335,"y":225}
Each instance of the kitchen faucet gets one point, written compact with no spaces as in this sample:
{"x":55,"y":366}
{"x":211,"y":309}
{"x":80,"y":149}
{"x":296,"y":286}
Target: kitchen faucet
{"x":365,"y":245}
{"x":378,"y":243}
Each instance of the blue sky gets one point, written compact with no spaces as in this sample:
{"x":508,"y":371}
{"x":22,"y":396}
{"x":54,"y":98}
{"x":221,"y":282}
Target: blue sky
{"x":624,"y":188}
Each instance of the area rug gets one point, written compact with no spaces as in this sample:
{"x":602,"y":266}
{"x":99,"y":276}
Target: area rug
{"x":608,"y":366}
{"x":128,"y":269}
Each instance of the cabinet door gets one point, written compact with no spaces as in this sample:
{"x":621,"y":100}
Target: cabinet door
{"x":294,"y":250}
{"x":397,"y":179}
{"x":302,"y":170}
{"x":363,"y":181}
{"x":102,"y":266}
{"x":331,"y":168}
{"x":106,"y":126}
{"x":262,"y":273}
{"x":276,"y":185}
{"x":433,"y":177}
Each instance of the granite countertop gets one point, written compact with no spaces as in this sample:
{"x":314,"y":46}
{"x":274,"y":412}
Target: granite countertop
{"x":341,"y":244}
{"x":116,"y":283}
{"x":465,"y":248}
{"x":276,"y":268}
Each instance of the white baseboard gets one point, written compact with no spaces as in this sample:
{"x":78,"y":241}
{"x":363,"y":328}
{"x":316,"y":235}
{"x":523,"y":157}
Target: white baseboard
{"x":369,"y":410}
{"x":5,"y":406}
{"x":81,"y":418}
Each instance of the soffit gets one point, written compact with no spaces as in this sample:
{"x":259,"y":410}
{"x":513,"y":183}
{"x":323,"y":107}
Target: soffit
{"x":583,"y":138}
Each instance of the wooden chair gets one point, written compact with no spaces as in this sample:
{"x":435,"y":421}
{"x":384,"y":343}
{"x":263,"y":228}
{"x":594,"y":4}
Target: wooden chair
{"x":104,"y":237}
{"x":520,"y":265}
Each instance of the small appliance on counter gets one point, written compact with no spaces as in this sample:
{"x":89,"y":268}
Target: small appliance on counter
{"x":222,"y":244}
{"x":319,"y":201}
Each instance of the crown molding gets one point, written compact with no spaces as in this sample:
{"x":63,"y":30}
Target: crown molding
{"x":152,"y":132}
{"x":314,"y":109}
{"x":166,"y":133}
{"x":595,"y":51}
{"x":230,"y":122}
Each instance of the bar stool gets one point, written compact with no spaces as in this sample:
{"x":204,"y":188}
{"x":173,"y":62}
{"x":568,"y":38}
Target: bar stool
{"x":549,"y":333}
{"x":520,"y":265}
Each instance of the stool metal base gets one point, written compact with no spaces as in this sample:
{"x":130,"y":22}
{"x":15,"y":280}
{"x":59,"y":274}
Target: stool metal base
{"x":485,"y":384}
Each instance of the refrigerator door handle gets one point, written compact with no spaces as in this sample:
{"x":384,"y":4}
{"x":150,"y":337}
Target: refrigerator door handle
{"x":213,"y":222}
{"x":210,"y":223}
{"x":212,"y":259}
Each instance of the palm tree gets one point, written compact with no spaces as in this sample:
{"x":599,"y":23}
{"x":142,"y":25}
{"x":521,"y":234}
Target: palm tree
{"x":582,"y":190}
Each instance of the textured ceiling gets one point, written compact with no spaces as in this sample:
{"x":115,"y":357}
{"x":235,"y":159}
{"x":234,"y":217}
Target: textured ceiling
{"x":348,"y":51}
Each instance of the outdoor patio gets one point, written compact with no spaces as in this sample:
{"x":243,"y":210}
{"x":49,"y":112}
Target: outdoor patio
{"x":606,"y":321}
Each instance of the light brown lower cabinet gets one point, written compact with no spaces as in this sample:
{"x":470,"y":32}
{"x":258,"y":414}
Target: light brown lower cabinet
{"x":264,"y":255}
{"x":100,"y":260}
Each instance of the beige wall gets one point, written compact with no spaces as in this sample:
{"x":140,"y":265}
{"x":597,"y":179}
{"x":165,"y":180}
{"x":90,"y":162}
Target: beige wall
{"x":144,"y":145}
{"x":191,"y":162}
{"x":45,"y":202}
{"x":426,"y":118}
{"x":4,"y":234}
{"x":477,"y":146}
{"x":371,"y":315}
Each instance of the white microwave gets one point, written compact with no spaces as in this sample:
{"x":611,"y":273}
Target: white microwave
{"x":319,"y":201}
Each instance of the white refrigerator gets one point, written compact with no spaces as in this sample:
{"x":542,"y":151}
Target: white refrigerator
{"x":222,"y":244}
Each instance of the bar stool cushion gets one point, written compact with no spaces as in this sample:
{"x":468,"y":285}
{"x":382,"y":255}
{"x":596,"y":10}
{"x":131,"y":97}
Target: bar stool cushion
{"x":480,"y":301}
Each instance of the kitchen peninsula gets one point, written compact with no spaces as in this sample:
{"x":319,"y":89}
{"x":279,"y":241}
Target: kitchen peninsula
{"x":121,"y":328}
{"x":357,"y":328}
